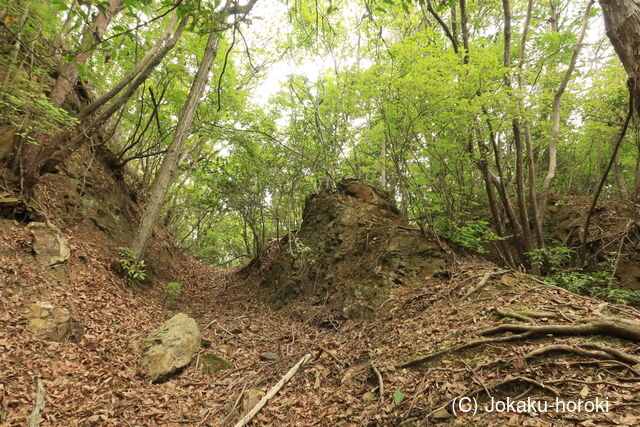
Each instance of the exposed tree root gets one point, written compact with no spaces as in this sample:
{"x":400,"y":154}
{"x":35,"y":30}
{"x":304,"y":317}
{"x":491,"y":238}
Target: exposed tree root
{"x":614,"y":327}
{"x":463,"y":346}
{"x":380,"y":382}
{"x":526,"y":315}
{"x":483,"y":282}
{"x":609,"y":326}
{"x":600,"y":352}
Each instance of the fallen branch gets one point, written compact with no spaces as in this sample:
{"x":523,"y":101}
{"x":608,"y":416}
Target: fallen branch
{"x":380,"y":383}
{"x":35,"y":418}
{"x":481,"y":284}
{"x":274,"y":390}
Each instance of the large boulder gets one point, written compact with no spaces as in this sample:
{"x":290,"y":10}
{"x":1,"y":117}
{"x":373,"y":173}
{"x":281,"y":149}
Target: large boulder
{"x":48,"y":322}
{"x":49,"y":244}
{"x":171,"y":347}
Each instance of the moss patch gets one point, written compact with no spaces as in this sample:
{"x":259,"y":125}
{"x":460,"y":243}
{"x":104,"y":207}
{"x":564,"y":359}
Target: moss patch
{"x":210,"y":362}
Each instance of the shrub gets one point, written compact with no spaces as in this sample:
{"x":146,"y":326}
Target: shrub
{"x":133,"y":270}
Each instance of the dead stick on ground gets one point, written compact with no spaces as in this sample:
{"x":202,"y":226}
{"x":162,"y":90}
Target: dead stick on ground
{"x":380,"y":383}
{"x":34,"y":418}
{"x":483,"y":282}
{"x":333,"y":356}
{"x":274,"y":390}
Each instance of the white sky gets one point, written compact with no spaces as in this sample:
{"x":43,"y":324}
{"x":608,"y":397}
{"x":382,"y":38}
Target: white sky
{"x":270,"y":23}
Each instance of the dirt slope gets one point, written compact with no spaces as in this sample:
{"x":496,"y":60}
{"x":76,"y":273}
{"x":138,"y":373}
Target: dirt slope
{"x":421,"y":315}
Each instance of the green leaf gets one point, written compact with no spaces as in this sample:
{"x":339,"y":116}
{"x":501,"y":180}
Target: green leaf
{"x":398,"y":396}
{"x":59,"y":5}
{"x":119,"y":28}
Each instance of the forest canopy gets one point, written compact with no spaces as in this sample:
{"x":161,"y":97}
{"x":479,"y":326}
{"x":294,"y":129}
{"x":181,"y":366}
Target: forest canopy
{"x":471,"y":114}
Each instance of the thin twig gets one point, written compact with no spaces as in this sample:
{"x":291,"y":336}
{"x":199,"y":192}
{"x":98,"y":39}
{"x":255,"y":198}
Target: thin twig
{"x":380,"y":383}
{"x":274,"y":390}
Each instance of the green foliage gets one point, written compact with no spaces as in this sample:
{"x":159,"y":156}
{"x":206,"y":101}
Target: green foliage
{"x":133,"y":270}
{"x":28,"y":110}
{"x":398,"y":397}
{"x":473,"y":234}
{"x":172,"y":290}
{"x":297,"y":249}
{"x":597,"y":285}
{"x":553,"y":257}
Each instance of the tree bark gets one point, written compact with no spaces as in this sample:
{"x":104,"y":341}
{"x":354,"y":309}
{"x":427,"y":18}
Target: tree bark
{"x":622,"y":22}
{"x":465,"y":30}
{"x":124,"y":81}
{"x":517,"y":137}
{"x":167,"y":171}
{"x":68,"y":73}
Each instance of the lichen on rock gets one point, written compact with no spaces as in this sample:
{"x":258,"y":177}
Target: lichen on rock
{"x":48,"y":322}
{"x":171,"y":346}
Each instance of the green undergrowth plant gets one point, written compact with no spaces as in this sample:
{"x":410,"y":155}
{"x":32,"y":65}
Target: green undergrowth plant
{"x":597,"y":284}
{"x":29,"y":111}
{"x":172,"y":291}
{"x":474,"y":234}
{"x":552,"y":259}
{"x":133,"y":270}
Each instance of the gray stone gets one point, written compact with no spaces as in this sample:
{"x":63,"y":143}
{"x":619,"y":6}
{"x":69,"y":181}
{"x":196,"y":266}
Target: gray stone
{"x":171,"y":347}
{"x":49,"y":244}
{"x":269,"y":356}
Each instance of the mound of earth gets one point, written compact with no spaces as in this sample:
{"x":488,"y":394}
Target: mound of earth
{"x":352,"y":247}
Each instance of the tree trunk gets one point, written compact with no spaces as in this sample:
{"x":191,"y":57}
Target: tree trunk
{"x":168,"y":167}
{"x":517,"y":137}
{"x":124,"y":81}
{"x":555,"y":116}
{"x":622,"y":22}
{"x":36,"y":159}
{"x":68,"y":73}
{"x":621,"y":183}
{"x":533,"y":195}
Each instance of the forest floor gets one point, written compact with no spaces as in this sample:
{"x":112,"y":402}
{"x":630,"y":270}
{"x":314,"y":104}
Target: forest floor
{"x":432,"y":343}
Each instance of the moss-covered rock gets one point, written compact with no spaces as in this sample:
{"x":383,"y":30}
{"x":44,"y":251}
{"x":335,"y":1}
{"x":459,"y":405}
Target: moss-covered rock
{"x":211,"y":362}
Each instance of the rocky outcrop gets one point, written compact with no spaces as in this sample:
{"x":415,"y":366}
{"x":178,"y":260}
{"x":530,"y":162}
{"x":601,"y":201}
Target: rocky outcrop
{"x":171,"y":347}
{"x":352,"y":248}
{"x":48,"y":322}
{"x":49,"y":244}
